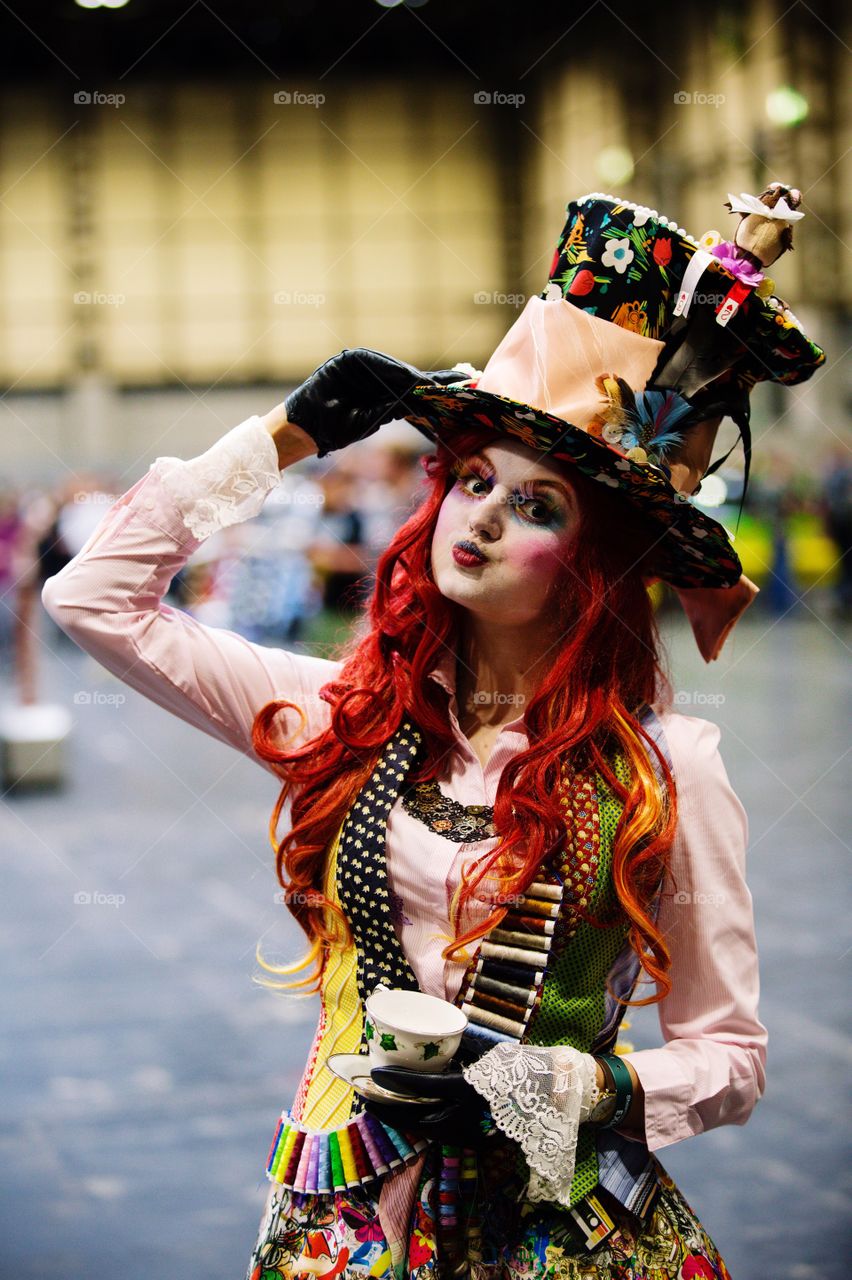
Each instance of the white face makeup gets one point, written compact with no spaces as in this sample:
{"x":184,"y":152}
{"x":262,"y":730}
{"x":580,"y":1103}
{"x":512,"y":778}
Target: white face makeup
{"x":519,"y":509}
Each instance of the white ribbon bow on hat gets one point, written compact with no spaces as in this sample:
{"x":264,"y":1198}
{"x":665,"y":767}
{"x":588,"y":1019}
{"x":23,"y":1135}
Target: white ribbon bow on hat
{"x":781,"y":212}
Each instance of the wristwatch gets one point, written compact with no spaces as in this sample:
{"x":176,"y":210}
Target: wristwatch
{"x":604,"y":1109}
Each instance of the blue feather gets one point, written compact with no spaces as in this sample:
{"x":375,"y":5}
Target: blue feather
{"x":656,"y":414}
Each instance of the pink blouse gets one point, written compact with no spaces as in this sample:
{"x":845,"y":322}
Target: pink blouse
{"x":109,"y":599}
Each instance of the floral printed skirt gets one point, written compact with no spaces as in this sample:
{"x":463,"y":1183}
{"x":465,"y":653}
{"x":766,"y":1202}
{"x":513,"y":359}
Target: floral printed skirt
{"x":342,"y":1235}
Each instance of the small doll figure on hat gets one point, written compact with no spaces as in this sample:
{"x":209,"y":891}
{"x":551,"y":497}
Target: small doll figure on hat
{"x":763,"y":234}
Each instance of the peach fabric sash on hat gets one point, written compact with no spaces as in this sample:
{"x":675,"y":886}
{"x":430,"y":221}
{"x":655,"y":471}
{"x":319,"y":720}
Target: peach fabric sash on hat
{"x":552,"y":354}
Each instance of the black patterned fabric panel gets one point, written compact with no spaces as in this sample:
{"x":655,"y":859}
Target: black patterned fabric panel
{"x":461,"y":823}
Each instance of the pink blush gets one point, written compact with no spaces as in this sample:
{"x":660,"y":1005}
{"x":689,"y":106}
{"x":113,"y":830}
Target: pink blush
{"x":538,"y":558}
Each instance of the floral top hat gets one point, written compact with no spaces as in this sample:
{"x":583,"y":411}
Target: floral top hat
{"x":641,"y":341}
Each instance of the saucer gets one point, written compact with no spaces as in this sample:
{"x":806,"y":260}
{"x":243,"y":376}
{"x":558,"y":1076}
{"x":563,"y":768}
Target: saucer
{"x":354,"y":1068}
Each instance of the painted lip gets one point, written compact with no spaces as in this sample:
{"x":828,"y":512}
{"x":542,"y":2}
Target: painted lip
{"x":468,"y":553}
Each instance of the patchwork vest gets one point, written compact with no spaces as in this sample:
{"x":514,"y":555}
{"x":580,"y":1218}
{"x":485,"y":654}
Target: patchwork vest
{"x":541,"y":977}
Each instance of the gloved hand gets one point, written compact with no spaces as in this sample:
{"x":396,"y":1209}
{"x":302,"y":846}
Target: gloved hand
{"x":354,"y":393}
{"x":458,"y":1116}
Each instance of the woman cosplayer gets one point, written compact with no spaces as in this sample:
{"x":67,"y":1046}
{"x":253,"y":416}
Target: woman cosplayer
{"x":490,"y":797}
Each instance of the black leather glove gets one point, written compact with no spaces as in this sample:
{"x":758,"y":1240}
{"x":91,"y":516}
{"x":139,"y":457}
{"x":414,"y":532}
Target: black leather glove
{"x":457,"y":1117}
{"x":354,"y":393}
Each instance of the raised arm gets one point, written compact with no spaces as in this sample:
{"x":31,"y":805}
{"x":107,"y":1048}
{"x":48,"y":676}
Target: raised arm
{"x":109,"y":598}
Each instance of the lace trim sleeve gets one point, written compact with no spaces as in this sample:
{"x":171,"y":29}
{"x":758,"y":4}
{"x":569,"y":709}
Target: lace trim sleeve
{"x":539,"y":1097}
{"x":225,"y":485}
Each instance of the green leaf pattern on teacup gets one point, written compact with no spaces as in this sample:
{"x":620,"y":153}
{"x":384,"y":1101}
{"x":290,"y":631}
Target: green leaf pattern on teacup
{"x":387,"y":1041}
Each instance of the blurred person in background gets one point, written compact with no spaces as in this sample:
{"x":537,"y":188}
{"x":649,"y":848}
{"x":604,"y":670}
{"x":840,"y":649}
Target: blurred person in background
{"x":11,"y":534}
{"x":273,"y":590}
{"x":338,"y":551}
{"x":776,"y":495}
{"x":836,"y":509}
{"x":388,"y":492}
{"x":35,"y":532}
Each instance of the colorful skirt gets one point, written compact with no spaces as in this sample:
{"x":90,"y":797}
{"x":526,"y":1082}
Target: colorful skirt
{"x":503,"y":1235}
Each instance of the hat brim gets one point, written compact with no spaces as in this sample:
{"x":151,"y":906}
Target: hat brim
{"x":693,"y":550}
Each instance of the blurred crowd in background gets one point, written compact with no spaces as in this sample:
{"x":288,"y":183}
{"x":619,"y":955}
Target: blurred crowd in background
{"x":296,"y":575}
{"x":299,"y":573}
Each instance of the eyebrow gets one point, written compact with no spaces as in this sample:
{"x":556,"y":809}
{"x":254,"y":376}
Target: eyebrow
{"x":542,"y":484}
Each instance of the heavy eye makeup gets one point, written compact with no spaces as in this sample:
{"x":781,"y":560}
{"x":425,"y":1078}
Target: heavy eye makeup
{"x":524,"y":498}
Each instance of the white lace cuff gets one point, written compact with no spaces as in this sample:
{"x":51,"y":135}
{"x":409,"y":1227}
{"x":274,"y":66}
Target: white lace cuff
{"x":225,"y":485}
{"x":538,"y":1097}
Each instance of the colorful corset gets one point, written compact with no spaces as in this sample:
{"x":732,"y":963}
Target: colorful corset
{"x":540,"y":977}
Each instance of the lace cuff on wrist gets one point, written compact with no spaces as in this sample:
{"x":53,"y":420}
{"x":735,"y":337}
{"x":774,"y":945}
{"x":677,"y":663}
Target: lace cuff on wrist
{"x":538,"y":1097}
{"x":225,"y":485}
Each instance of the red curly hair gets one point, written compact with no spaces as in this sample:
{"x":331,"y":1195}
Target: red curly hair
{"x":586,"y":704}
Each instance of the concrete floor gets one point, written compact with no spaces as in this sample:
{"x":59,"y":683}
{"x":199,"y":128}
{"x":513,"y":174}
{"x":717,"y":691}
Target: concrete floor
{"x":143,"y":1071}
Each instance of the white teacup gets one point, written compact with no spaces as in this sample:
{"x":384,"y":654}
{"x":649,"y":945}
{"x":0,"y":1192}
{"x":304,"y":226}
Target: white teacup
{"x":410,"y":1029}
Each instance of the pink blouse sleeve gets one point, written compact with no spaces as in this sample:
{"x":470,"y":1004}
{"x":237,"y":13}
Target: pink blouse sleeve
{"x":712,"y":1068}
{"x":109,"y":600}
